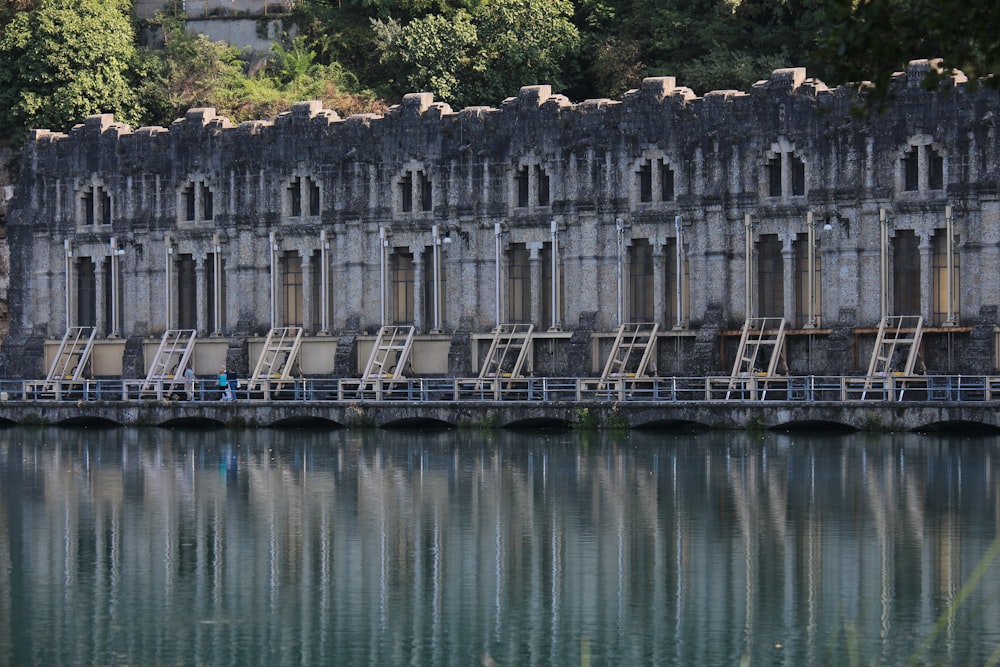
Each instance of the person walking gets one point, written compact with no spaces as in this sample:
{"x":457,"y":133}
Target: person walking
{"x":232,"y":382}
{"x":224,"y":384}
{"x":189,"y":382}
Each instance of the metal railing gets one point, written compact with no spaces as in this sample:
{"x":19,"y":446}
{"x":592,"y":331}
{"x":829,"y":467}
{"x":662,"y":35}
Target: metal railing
{"x":805,"y":388}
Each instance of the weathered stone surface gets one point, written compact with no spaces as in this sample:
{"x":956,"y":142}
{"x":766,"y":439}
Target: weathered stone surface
{"x":664,"y":414}
{"x":382,"y":204}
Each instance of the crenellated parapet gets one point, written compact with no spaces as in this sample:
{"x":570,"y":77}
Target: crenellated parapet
{"x":720,"y":142}
{"x":662,"y":205}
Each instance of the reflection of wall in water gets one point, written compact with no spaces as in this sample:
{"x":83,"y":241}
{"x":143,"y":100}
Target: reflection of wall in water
{"x":691,"y":536}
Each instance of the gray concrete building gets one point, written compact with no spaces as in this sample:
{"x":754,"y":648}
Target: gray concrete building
{"x":696,"y":213}
{"x":249,"y":25}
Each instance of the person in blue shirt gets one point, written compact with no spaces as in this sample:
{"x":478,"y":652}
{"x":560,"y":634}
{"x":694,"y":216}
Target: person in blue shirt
{"x":224,"y":384}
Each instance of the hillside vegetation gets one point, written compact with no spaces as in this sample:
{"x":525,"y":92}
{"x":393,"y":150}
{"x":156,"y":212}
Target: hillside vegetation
{"x":61,"y":60}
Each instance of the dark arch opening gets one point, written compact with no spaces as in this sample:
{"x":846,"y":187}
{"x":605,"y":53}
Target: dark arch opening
{"x":959,"y":427}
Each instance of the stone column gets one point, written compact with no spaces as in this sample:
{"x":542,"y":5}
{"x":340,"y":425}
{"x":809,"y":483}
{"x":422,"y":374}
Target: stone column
{"x":923,"y":180}
{"x":420,"y":309}
{"x":660,"y":295}
{"x":72,"y":308}
{"x":443,"y":264}
{"x":350,"y":277}
{"x":627,"y":314}
{"x":979,"y":264}
{"x":100,"y":287}
{"x":786,"y":175}
{"x":926,"y":276}
{"x":307,"y":291}
{"x":533,"y":178}
{"x":711,"y":265}
{"x":788,"y":277}
{"x":202,"y":315}
{"x":535,"y":270}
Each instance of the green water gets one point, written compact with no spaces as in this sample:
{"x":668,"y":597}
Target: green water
{"x":267,"y":547}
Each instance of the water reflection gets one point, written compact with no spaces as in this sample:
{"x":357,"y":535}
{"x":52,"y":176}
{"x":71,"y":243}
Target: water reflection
{"x":384,"y":548}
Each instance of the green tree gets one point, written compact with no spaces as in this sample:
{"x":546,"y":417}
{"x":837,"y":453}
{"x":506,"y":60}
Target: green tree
{"x":706,"y":44}
{"x":872,"y":39}
{"x":523,"y":42}
{"x":432,"y":53}
{"x":189,"y":71}
{"x":481,"y":56}
{"x":192,"y":71}
{"x":340,"y":31}
{"x":62,"y":60}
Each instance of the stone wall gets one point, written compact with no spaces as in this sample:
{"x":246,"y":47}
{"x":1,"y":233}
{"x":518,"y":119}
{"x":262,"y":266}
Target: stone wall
{"x":195,"y":9}
{"x":593,"y":198}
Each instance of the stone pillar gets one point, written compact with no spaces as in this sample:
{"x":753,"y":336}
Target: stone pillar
{"x":870,"y":290}
{"x":926,"y":276}
{"x":535,"y":270}
{"x":349,"y":278}
{"x":420,"y":309}
{"x":627,"y":314}
{"x":786,"y":175}
{"x":71,"y":294}
{"x":660,"y":295}
{"x":985,"y":259}
{"x":100,"y":287}
{"x":712,"y":266}
{"x":202,"y":315}
{"x":307,"y":291}
{"x":923,"y":181}
{"x":788,"y":278}
{"x":442,"y":278}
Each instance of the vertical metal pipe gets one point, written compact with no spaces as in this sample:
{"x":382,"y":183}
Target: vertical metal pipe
{"x":114,"y":333}
{"x":497,"y":232}
{"x":811,"y":271}
{"x":437,"y":276}
{"x":950,"y":263}
{"x":748,"y":265}
{"x":555,"y":276}
{"x":619,"y":228}
{"x":679,"y":272}
{"x":382,"y":274}
{"x":217,"y":285}
{"x":273,"y":250}
{"x":324,"y":279}
{"x":68,"y":248}
{"x":883,"y":263}
{"x":169,"y":283}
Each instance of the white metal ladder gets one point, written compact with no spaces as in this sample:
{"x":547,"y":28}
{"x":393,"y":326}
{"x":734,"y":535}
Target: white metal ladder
{"x":897,"y":346}
{"x":72,"y":356}
{"x":281,"y":348}
{"x":897,"y":335}
{"x":390,"y":353}
{"x":633,"y":338}
{"x":759,"y":334}
{"x":509,"y":350}
{"x":172,"y":356}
